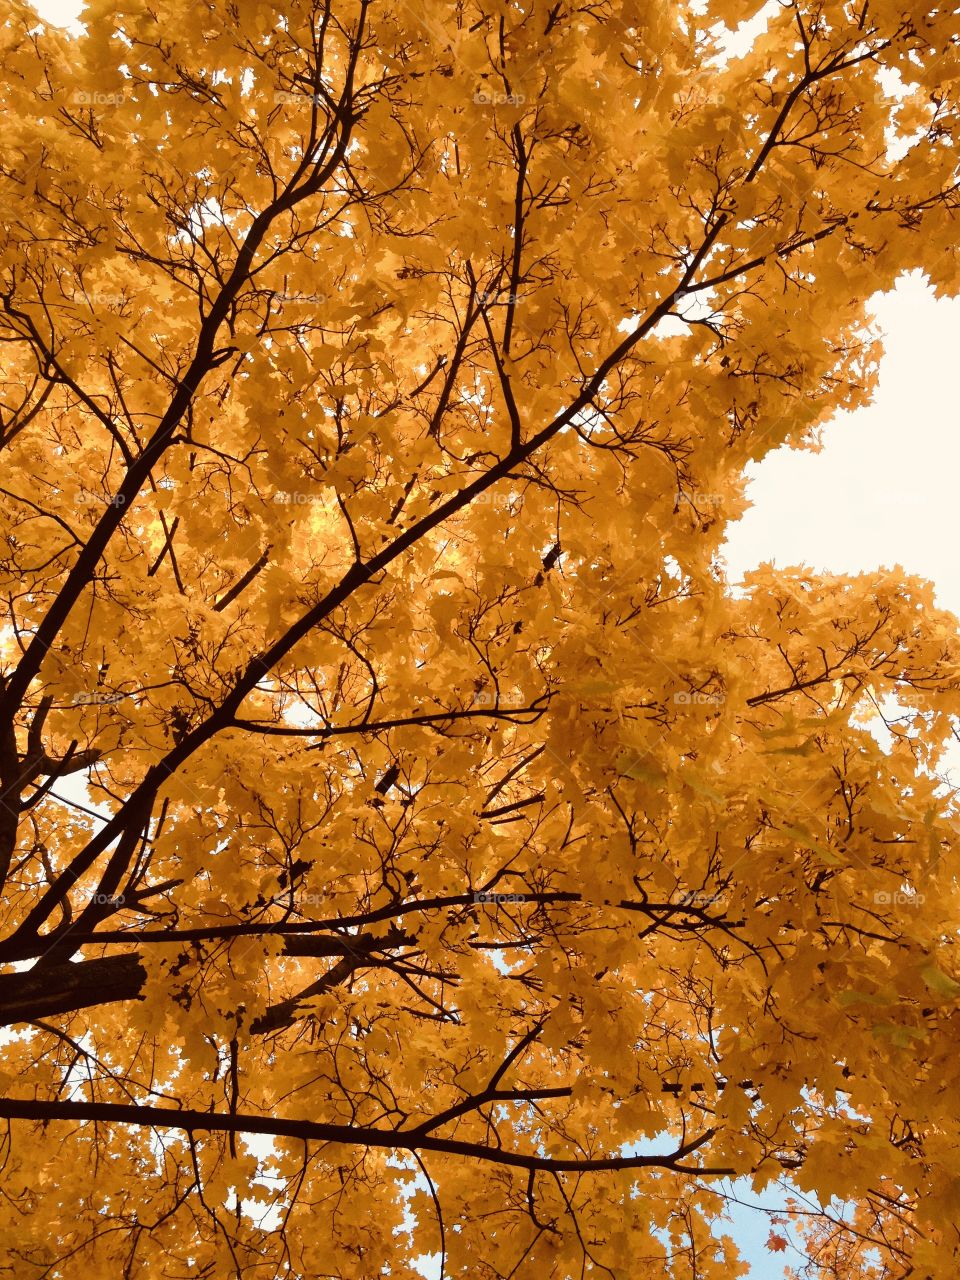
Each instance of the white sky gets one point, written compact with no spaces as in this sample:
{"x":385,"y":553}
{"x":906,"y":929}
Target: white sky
{"x":883,"y":490}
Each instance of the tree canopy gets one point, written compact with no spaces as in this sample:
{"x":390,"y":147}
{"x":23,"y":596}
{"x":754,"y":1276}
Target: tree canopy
{"x":410,"y":842}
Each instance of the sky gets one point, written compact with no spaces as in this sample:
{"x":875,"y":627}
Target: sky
{"x":882,"y":491}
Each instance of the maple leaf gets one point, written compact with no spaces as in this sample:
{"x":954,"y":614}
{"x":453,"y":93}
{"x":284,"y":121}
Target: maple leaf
{"x":409,"y":841}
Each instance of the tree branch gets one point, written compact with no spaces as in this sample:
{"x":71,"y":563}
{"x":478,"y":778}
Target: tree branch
{"x":347,"y":1135}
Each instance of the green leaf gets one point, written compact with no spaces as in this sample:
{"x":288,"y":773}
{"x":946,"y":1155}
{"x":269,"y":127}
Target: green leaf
{"x":593,"y":686}
{"x":899,"y":1036}
{"x":861,"y":997}
{"x":825,"y":852}
{"x":940,"y":982}
{"x":701,"y":787}
{"x":632,"y":768}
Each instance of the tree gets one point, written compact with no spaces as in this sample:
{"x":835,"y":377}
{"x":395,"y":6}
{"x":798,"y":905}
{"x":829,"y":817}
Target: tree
{"x":410,"y":843}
